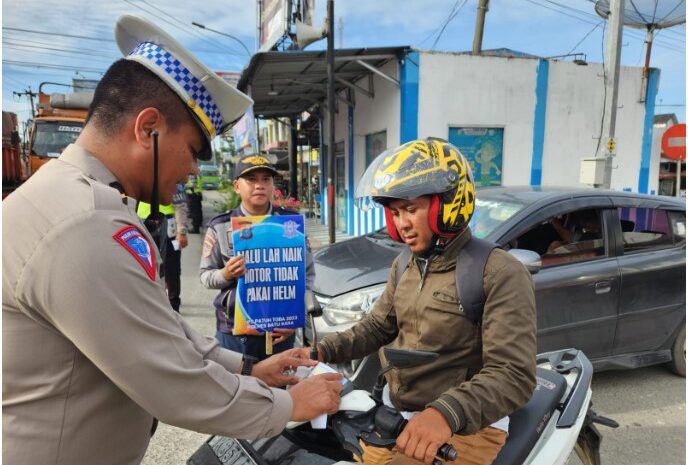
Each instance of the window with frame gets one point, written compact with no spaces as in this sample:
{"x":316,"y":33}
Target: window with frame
{"x":376,"y":143}
{"x":575,"y":236}
{"x":645,"y":229}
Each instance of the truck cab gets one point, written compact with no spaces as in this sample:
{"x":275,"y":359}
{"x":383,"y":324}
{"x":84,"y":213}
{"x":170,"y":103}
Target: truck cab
{"x":58,"y":123}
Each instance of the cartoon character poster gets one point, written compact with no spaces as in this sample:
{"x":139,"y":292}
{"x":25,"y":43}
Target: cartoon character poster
{"x":483,"y":148}
{"x":271,"y":293}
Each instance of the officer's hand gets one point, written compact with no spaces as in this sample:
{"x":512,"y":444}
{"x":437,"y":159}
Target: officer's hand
{"x":234,"y":268}
{"x":316,"y":395}
{"x":182,"y":240}
{"x":272,"y":370}
{"x":281,"y":335}
{"x":423,"y":435}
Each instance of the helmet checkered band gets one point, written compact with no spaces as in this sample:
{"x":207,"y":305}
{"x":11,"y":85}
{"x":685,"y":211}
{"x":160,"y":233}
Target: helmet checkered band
{"x":175,"y":69}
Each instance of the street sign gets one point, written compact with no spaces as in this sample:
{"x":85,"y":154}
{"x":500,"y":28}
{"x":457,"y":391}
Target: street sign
{"x":674,"y":142}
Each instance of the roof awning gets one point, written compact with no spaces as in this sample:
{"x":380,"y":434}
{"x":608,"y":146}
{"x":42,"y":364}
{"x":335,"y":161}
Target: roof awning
{"x":289,"y":83}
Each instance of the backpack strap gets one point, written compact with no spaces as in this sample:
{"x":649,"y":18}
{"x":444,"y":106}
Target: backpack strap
{"x":470,"y":268}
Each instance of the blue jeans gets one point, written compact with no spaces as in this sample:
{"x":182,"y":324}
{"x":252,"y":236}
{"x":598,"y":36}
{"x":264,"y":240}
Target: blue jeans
{"x":252,"y":345}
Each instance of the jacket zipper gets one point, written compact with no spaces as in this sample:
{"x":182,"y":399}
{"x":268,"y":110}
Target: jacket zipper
{"x":423,"y":266}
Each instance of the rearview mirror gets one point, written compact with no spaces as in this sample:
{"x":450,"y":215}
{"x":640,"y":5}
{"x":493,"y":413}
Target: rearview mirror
{"x":313,"y":307}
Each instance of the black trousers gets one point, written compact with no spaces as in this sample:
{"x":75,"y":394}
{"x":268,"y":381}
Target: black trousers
{"x":172,"y":264}
{"x":195,"y":211}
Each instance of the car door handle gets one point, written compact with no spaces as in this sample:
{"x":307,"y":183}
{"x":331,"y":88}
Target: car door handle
{"x":602,"y":287}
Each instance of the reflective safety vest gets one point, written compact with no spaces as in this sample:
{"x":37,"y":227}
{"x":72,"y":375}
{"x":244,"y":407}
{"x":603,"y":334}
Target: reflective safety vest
{"x":144,"y":209}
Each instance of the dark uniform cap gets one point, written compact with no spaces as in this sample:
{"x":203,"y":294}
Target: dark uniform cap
{"x":251,"y":163}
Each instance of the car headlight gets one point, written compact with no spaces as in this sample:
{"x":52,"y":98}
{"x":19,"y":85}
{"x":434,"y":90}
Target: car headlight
{"x":353,"y":306}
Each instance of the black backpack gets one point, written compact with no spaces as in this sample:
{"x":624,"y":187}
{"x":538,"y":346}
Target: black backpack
{"x":469,"y":282}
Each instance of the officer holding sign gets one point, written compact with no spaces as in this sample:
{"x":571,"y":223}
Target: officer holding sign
{"x":92,"y":353}
{"x":221,"y":268}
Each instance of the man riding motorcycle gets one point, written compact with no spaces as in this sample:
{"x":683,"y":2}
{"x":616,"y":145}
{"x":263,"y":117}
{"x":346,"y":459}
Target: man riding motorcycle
{"x":486,"y":368}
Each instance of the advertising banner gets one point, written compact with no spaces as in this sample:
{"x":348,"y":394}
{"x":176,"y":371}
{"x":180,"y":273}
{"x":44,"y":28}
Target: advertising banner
{"x":483,"y":148}
{"x":271,"y":293}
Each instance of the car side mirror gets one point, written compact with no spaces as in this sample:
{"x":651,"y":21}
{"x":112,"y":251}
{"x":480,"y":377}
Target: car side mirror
{"x":531,"y":260}
{"x":313,"y":307}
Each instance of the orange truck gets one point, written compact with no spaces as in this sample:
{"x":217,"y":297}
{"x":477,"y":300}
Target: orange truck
{"x":58,"y":122}
{"x":14,"y":169}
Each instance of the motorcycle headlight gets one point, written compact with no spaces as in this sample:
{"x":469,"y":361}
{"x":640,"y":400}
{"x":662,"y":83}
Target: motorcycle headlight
{"x":353,"y":306}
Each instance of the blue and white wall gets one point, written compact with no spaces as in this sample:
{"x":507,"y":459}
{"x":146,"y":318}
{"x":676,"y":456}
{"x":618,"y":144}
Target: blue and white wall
{"x":550,"y":112}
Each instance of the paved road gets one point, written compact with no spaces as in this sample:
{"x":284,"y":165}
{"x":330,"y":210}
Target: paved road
{"x":648,"y":403}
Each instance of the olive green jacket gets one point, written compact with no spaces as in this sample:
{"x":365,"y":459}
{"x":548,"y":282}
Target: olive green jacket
{"x":484,"y":372}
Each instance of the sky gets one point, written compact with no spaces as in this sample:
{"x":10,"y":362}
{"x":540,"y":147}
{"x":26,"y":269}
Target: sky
{"x":33,"y":52}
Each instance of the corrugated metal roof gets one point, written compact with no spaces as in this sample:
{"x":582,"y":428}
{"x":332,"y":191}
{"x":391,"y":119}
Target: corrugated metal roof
{"x":288,"y":83}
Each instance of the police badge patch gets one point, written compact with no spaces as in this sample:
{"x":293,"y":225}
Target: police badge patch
{"x":133,"y":241}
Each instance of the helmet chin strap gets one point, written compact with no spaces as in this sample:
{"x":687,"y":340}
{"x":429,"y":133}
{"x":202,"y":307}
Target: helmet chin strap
{"x":438,"y":244}
{"x":154,"y":220}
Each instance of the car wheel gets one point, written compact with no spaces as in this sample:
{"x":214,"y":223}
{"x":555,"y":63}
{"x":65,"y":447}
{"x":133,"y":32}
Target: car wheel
{"x":678,"y":354}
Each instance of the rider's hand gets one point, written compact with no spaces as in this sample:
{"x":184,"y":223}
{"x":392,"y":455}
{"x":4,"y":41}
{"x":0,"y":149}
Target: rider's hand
{"x":306,"y":352}
{"x":316,"y":395}
{"x":272,"y":370}
{"x":280,"y":335}
{"x":234,"y":268}
{"x":423,"y":435}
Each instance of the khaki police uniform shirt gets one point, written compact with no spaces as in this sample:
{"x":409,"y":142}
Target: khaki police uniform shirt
{"x":92,"y":350}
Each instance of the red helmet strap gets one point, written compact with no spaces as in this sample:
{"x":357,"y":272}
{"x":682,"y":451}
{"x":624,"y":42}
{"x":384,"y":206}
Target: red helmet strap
{"x":434,"y":215}
{"x":391,"y":228}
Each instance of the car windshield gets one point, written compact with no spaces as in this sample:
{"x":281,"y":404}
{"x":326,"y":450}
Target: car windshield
{"x":491,"y":213}
{"x":51,"y":138}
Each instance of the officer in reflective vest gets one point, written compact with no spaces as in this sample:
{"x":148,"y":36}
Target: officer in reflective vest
{"x":172,"y":240}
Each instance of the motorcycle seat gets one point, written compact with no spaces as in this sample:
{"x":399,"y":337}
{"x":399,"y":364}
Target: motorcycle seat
{"x":527,"y":424}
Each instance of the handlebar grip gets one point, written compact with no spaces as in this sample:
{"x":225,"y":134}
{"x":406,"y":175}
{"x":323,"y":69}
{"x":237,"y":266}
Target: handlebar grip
{"x":447,"y":452}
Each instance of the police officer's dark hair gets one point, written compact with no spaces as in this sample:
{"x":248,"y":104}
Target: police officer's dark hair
{"x":127,"y":88}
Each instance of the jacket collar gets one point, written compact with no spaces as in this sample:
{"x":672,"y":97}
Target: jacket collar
{"x":447,"y":259}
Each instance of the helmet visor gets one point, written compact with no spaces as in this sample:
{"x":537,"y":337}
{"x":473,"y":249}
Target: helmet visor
{"x":407,"y":172}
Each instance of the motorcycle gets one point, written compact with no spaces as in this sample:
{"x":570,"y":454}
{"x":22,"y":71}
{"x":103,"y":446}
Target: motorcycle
{"x":557,"y":420}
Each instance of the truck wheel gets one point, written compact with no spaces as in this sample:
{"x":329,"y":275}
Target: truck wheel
{"x":678,"y":354}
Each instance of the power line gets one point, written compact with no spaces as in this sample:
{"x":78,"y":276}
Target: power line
{"x":192,"y":31}
{"x":33,"y":64}
{"x":452,"y":15}
{"x":32,"y":31}
{"x":585,"y":19}
{"x":22,"y":47}
{"x":585,"y":37}
{"x":194,"y":50}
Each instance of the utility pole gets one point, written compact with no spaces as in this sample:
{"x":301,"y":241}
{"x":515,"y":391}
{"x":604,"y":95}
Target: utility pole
{"x":340,"y":32}
{"x":293,"y":141}
{"x":331,"y":220}
{"x":31,"y":96}
{"x":479,"y":26}
{"x":612,"y":64}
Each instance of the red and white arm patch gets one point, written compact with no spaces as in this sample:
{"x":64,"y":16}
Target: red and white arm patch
{"x":136,"y":243}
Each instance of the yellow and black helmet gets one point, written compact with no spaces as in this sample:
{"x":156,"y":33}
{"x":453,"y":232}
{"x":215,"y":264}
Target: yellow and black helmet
{"x":422,"y":167}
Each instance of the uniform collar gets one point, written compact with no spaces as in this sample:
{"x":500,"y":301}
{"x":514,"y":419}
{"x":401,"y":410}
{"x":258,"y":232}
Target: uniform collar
{"x":92,"y":167}
{"x":245,"y":213}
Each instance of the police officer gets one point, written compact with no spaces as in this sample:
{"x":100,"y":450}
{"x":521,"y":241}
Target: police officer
{"x":173,"y":239}
{"x":91,"y":352}
{"x":195,"y":196}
